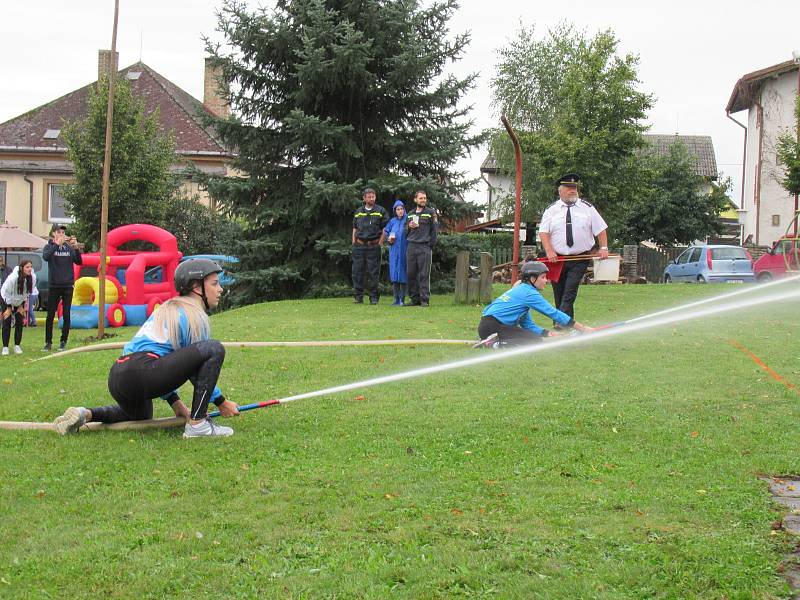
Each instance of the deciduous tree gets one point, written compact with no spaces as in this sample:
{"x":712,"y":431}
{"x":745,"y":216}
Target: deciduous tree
{"x":141,"y":182}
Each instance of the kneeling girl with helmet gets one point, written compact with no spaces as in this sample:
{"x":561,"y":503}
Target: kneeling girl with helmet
{"x":172,"y":347}
{"x":507,"y":320}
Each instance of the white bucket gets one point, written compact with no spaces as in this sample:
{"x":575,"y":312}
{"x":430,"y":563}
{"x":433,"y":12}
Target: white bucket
{"x":606,"y":270}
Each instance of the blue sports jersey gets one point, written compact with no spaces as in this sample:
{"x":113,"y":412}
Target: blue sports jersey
{"x":147,"y":339}
{"x":513,"y":308}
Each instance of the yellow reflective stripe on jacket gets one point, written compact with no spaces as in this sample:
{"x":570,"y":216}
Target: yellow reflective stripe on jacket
{"x":373,"y":214}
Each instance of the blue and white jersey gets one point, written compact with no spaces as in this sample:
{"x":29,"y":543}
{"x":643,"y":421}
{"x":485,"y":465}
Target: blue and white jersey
{"x":150,"y":339}
{"x":513,"y":308}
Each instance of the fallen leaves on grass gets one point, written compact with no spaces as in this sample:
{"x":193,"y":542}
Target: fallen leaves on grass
{"x":457,"y":512}
{"x":695,"y":434}
{"x":40,"y":494}
{"x":391,"y":496}
{"x":360,"y":398}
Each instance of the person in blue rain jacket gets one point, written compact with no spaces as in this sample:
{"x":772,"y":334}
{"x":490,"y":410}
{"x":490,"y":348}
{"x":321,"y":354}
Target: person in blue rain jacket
{"x":395,"y":233}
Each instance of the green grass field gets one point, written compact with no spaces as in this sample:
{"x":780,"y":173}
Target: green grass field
{"x":621,"y":469}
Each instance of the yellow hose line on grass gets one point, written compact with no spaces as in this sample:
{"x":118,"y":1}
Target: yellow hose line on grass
{"x":307,"y":344}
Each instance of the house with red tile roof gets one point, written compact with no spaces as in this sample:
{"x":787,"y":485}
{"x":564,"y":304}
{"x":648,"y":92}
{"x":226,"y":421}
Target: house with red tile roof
{"x":33,"y":167}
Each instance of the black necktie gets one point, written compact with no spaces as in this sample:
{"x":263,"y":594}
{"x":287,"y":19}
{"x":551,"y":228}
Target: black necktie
{"x":570,"y":241}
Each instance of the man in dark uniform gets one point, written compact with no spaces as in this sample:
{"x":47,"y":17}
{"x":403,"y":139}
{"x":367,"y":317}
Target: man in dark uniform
{"x":368,"y":223}
{"x":568,"y":228}
{"x":422,"y":227}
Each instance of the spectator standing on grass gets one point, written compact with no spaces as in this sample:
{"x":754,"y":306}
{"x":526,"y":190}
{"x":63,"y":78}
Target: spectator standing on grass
{"x":507,"y":321}
{"x":14,"y":303}
{"x":395,"y":233}
{"x":172,"y":347}
{"x":60,"y":253}
{"x":368,"y":223}
{"x":568,"y":228}
{"x":422,"y":227}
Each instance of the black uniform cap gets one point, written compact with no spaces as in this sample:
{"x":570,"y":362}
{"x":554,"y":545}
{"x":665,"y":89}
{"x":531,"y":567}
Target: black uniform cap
{"x":569,"y":179}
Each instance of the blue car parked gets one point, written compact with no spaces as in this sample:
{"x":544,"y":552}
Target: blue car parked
{"x":711,"y":264}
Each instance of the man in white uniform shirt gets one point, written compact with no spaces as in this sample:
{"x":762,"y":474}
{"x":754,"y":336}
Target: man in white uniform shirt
{"x":569,"y":227}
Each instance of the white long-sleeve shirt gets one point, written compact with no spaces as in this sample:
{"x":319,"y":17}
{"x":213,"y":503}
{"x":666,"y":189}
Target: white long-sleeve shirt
{"x":10,"y":291}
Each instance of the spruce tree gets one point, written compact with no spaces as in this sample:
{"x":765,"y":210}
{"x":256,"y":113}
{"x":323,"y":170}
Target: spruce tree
{"x":141,"y":182}
{"x":330,"y":96}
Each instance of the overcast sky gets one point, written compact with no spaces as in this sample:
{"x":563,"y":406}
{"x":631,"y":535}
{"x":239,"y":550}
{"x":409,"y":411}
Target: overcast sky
{"x":691,"y":55}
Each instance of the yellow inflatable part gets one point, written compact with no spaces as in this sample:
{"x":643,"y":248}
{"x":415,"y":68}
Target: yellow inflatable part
{"x":87,"y":291}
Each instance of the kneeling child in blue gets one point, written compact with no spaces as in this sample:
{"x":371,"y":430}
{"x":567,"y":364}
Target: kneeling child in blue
{"x":507,"y":320}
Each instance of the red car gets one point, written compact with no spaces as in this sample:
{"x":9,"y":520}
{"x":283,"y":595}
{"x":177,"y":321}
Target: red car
{"x":783,"y":257}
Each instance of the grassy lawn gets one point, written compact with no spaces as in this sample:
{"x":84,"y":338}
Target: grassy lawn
{"x":623,"y":469}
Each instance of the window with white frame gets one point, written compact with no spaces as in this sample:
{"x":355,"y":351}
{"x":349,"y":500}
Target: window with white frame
{"x":57,"y":212}
{"x":2,"y":201}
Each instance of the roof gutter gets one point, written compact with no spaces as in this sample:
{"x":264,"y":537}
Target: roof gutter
{"x":489,"y":201}
{"x":30,"y":201}
{"x":744,"y":154}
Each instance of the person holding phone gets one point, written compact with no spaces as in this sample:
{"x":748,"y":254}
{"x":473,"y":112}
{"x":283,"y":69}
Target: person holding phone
{"x":60,"y":253}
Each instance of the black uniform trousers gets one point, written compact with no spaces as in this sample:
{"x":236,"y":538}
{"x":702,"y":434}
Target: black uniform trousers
{"x":510,"y":335}
{"x":135,"y":379}
{"x":565,"y":290}
{"x":418,"y":272}
{"x":366,"y":266}
{"x":65,"y":295}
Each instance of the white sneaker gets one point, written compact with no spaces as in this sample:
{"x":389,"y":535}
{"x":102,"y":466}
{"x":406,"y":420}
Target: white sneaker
{"x":17,"y":350}
{"x":5,"y":350}
{"x":488,"y":342}
{"x":72,"y":420}
{"x":206,"y":428}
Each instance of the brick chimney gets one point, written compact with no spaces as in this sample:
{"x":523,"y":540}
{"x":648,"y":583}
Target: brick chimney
{"x":103,"y":60}
{"x":214,"y":89}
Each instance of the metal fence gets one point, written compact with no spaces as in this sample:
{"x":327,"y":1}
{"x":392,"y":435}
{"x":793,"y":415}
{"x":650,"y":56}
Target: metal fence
{"x":653,"y":261}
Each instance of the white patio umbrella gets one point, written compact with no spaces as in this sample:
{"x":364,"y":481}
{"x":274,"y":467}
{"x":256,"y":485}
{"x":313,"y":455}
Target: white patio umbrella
{"x":14,"y":238}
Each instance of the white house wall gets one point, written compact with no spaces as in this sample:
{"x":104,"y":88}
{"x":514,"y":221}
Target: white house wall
{"x":500,"y":186}
{"x":777,"y":100}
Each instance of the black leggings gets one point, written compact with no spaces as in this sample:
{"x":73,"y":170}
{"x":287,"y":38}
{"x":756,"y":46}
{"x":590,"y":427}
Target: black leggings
{"x":137,"y":378}
{"x":511,"y":335}
{"x":64,"y":294}
{"x":18,"y":319}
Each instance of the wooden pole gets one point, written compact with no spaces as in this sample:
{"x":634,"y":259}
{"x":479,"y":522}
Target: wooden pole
{"x":462,"y":274}
{"x":112,"y":76}
{"x":485,"y":293}
{"x":518,"y":202}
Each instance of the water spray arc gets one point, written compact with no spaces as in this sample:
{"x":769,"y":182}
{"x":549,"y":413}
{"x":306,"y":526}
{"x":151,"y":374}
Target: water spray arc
{"x":564,"y":342}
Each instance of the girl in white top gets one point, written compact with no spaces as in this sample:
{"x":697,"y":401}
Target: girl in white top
{"x":14,"y":303}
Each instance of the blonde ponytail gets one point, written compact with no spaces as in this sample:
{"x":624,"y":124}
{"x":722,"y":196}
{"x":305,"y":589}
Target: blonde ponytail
{"x":167,"y":319}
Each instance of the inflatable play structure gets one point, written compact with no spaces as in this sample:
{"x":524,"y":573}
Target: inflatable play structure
{"x":129,"y":298}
